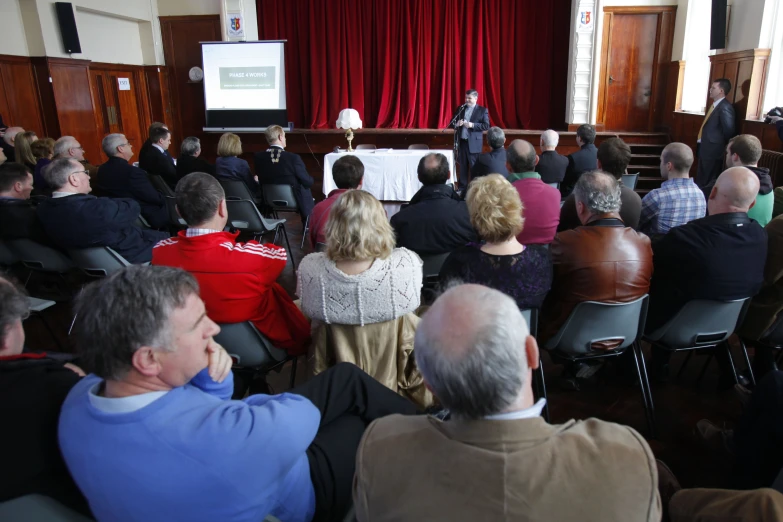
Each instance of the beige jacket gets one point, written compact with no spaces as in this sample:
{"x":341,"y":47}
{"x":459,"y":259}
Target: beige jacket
{"x":419,"y":468}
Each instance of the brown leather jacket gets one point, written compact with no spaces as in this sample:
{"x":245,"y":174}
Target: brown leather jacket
{"x":601,"y":261}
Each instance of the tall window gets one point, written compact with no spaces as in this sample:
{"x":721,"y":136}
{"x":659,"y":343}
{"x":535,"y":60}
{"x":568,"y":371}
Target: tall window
{"x":696,"y":54}
{"x":773,"y":96}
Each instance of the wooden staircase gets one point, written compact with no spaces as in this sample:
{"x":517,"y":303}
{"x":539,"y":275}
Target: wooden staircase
{"x":646,"y":148}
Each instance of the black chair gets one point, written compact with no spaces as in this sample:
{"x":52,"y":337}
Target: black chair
{"x":175,"y":220}
{"x":431,"y":267}
{"x":539,"y":382}
{"x":629,"y":180}
{"x":38,"y":257}
{"x":97,"y":261}
{"x":320,"y":247}
{"x":244,"y":215}
{"x":280,"y":198}
{"x":236,"y":189}
{"x":7,"y":257}
{"x":35,"y":507}
{"x":160,"y":185}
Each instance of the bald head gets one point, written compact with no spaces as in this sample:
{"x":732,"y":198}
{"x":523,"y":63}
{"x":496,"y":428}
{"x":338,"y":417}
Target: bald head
{"x":676,"y":161}
{"x":10,"y":134}
{"x":433,"y":169}
{"x":549,"y":139}
{"x":734,"y":191}
{"x":521,"y":156}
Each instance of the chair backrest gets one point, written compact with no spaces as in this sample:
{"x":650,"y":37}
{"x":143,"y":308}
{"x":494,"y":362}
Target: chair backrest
{"x":320,"y":247}
{"x":244,"y":215}
{"x":591,"y":322}
{"x":36,"y":256}
{"x":280,"y":197}
{"x":418,"y":146}
{"x":629,"y":180}
{"x":160,"y":185}
{"x":366,"y":146}
{"x":235,"y":189}
{"x":433,"y":264}
{"x":97,"y":261}
{"x":531,"y":318}
{"x":249,"y":347}
{"x":556,"y":185}
{"x":38,"y":507}
{"x":700,"y":322}
{"x":171,"y":208}
{"x":7,"y":257}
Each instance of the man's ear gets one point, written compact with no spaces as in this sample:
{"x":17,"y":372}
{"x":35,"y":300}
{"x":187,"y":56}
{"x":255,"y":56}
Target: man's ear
{"x":18,"y":186}
{"x":361,"y":181}
{"x":223,"y":208}
{"x":146,"y":361}
{"x":531,"y":351}
{"x":537,"y":159}
{"x":714,"y":192}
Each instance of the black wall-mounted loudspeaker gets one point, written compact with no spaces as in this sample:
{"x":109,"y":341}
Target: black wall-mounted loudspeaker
{"x":68,"y":27}
{"x":718,"y":24}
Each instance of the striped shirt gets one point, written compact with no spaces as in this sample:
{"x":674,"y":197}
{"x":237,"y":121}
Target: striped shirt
{"x":677,"y":202}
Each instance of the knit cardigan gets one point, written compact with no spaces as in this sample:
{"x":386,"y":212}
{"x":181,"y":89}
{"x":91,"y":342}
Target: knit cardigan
{"x":389,"y":289}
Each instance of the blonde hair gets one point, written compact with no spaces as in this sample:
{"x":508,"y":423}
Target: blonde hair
{"x":43,"y":148}
{"x":358,"y":229}
{"x":229,"y":145}
{"x":495,"y":208}
{"x":22,"y":147}
{"x":273,"y":133}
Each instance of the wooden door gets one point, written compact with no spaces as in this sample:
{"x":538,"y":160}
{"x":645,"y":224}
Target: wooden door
{"x":118,"y":109}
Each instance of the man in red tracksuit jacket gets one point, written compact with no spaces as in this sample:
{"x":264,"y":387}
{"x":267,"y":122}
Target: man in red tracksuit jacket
{"x":237,"y":280}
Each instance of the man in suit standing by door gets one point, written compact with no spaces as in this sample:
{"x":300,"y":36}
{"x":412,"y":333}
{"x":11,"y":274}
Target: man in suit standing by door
{"x":716,"y":131}
{"x":470,"y":122}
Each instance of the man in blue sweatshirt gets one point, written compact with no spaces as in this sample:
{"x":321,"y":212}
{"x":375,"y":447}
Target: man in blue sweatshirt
{"x":152,"y":433}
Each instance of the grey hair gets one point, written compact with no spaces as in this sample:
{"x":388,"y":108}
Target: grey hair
{"x":598,"y":191}
{"x":489,"y":376}
{"x":111,"y":142}
{"x":125,"y":311}
{"x":496,"y":137}
{"x":63,"y":145}
{"x":13,"y":305}
{"x":56,"y":173}
{"x":190,"y":146}
{"x":550,"y":138}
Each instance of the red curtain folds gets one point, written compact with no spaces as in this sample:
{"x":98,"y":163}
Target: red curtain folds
{"x":407,"y":63}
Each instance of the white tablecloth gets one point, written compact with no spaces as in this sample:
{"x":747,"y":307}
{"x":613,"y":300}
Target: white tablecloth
{"x":389,"y":175}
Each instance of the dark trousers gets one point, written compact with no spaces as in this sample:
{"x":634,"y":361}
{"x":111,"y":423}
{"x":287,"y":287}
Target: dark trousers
{"x":465,"y":159}
{"x":349,"y":400}
{"x":707,"y":172}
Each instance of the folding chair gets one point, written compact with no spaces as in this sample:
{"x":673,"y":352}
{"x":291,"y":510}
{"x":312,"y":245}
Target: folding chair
{"x":38,"y":257}
{"x":629,"y":180}
{"x":236,"y":189}
{"x":244,"y":215}
{"x":366,"y":146}
{"x":539,"y":382}
{"x":97,"y":261}
{"x":280,"y":198}
{"x":160,"y":185}
{"x":418,"y":146}
{"x":175,"y":220}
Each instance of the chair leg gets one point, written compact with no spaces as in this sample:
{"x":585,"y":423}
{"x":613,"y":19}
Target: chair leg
{"x":288,"y":245}
{"x":541,"y":385}
{"x":731,"y":361}
{"x":747,"y":362}
{"x":304,"y":232}
{"x":647,"y":385}
{"x":293,"y":373}
{"x":641,"y":372}
{"x":683,"y":365}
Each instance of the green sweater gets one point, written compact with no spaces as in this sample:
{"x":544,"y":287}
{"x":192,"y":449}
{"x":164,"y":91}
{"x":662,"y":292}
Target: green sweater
{"x":762,"y":210}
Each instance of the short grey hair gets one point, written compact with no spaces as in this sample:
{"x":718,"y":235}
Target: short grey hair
{"x":496,"y":137}
{"x":63,"y":145}
{"x":13,"y":305}
{"x":190,"y":146}
{"x":487,"y":377}
{"x":107,"y":335}
{"x":111,"y":142}
{"x":56,"y":173}
{"x":599,"y":192}
{"x":550,"y":138}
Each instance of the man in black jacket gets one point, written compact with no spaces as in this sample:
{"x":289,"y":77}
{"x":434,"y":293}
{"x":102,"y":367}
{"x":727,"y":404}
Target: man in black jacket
{"x":147,"y":145}
{"x":17,"y":216}
{"x":716,"y":130}
{"x":469,"y":126}
{"x":551,"y":165}
{"x":493,"y":162}
{"x":75,"y":219}
{"x":582,"y":160}
{"x":436,"y":221}
{"x":275,"y":166}
{"x":189,"y":159}
{"x":155,"y":160}
{"x":119,"y":179}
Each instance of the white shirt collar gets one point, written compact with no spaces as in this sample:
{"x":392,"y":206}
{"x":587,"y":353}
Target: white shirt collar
{"x":122,"y":404}
{"x":194,"y":232}
{"x":159,"y":148}
{"x":62,"y":194}
{"x":715,"y":103}
{"x":528,"y":413}
{"x":278,"y":146}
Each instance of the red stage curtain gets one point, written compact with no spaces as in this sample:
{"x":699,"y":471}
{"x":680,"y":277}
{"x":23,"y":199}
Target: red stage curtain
{"x":407,"y":63}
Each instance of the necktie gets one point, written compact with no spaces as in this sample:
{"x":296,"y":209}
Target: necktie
{"x":706,"y":117}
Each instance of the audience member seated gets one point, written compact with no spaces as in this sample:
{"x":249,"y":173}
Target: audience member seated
{"x":362,"y":294}
{"x":501,"y":261}
{"x":73,"y":218}
{"x":231,"y":166}
{"x":189,"y":158}
{"x":541,"y":202}
{"x":551,"y":165}
{"x":68,"y":147}
{"x":436,"y":220}
{"x":147,"y":145}
{"x":43,"y":151}
{"x":745,"y":151}
{"x":496,"y":459}
{"x":23,"y":149}
{"x":7,"y":142}
{"x":347,"y":173}
{"x":602,"y":260}
{"x":151,"y":432}
{"x":275,"y":166}
{"x":119,"y":179}
{"x":237,"y":280}
{"x":583,"y":160}
{"x":614,"y":155}
{"x":32,"y":389}
{"x":719,"y":257}
{"x":156,"y":160}
{"x":494,"y":161}
{"x":3,"y":159}
{"x":18,"y":219}
{"x":679,"y":200}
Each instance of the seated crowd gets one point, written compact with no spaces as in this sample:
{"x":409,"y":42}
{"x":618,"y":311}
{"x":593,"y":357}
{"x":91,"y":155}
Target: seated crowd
{"x":418,"y":406}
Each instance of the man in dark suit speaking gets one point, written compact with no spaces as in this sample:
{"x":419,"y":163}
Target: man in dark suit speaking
{"x":716,"y":131}
{"x":469,"y":123}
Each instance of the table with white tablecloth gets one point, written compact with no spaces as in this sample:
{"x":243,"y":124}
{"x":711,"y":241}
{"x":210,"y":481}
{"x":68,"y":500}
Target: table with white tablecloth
{"x":389,"y":175}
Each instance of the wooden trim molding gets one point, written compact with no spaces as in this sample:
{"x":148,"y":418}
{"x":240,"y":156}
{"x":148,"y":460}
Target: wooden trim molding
{"x":747,"y":71}
{"x":652,"y":9}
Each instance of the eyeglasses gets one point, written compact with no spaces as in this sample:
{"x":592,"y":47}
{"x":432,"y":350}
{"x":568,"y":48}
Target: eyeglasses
{"x":77,"y":148}
{"x":81,"y":172}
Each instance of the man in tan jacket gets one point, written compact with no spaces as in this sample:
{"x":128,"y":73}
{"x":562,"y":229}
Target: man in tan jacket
{"x":496,"y":459}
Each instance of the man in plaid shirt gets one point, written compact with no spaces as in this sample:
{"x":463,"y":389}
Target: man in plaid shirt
{"x":679,"y":200}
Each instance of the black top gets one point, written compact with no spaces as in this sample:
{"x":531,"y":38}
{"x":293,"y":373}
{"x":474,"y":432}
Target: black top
{"x":493,"y":162}
{"x":552,"y":167}
{"x":583,"y":160}
{"x":187,"y":164}
{"x":119,"y":179}
{"x":275,"y":166}
{"x":8,"y":150}
{"x":153,"y":161}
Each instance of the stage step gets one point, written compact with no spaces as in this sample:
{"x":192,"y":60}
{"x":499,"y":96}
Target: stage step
{"x":642,"y":138}
{"x":648,"y":183}
{"x":647,"y":148}
{"x":650,"y":160}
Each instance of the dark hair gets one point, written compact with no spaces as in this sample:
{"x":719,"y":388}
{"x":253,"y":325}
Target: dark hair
{"x":13,"y":305}
{"x":198,"y":197}
{"x":158,"y":134}
{"x":471,"y":92}
{"x":496,"y":137}
{"x":155,"y":125}
{"x":125,"y":311}
{"x":347,"y":172}
{"x":433,"y":169}
{"x":724,"y":84}
{"x":614,"y":155}
{"x":747,"y":147}
{"x":11,"y":173}
{"x":586,"y":133}
{"x":525,"y":162}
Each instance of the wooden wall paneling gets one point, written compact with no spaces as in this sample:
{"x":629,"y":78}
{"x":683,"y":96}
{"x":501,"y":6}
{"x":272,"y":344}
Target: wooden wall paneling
{"x":157,"y":78}
{"x":604,"y":72}
{"x":662,"y":70}
{"x":765,"y":132}
{"x":19,"y":94}
{"x":747,"y":71}
{"x":46,"y":96}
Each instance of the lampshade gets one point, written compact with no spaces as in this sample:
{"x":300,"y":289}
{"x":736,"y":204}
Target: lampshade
{"x":349,"y":119}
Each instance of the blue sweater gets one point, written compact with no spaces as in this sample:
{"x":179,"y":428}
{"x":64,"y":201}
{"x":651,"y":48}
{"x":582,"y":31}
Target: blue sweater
{"x":193,"y":454}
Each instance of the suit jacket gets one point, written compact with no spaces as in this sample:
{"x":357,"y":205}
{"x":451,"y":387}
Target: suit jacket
{"x":768,"y":303}
{"x":156,"y":162}
{"x":289,"y":169}
{"x":493,"y":162}
{"x":231,"y":167}
{"x":435,"y":222}
{"x":119,"y":179}
{"x":480,"y":120}
{"x":420,"y":468}
{"x":717,"y":131}
{"x":716,"y":257}
{"x":630,"y":210}
{"x":583,"y":160}
{"x":18,"y":220}
{"x":187,"y":164}
{"x":601,"y":261}
{"x":84,"y":221}
{"x":552,"y":167}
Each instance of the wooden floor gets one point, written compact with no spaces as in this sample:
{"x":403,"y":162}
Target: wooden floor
{"x":678,"y":405}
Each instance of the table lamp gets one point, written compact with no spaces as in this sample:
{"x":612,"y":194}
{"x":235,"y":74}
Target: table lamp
{"x":349,"y":119}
